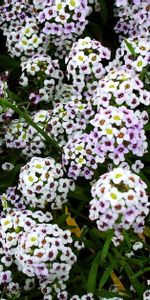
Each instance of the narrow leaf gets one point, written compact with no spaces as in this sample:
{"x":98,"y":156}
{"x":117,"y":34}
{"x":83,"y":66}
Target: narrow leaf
{"x":91,"y":283}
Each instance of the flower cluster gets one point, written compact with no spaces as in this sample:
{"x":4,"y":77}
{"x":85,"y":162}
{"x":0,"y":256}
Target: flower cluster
{"x":133,"y":18}
{"x":25,"y":40}
{"x":119,"y":202}
{"x":63,"y":20}
{"x":20,"y":135}
{"x":70,"y":119}
{"x":121,"y":87}
{"x":133,"y":56}
{"x":15,"y":222}
{"x":67,"y":116}
{"x":44,"y":252}
{"x":118,"y":131}
{"x":14,"y":12}
{"x":84,"y":65}
{"x":12,"y":199}
{"x":41,"y":181}
{"x":46,"y":75}
{"x":80,"y":156}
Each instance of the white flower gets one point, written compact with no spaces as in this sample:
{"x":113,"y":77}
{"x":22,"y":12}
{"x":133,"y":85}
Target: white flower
{"x":137,"y":246}
{"x":7,"y":166}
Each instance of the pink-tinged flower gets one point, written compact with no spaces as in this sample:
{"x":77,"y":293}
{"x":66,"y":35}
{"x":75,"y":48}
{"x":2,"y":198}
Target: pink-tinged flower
{"x":119,"y":202}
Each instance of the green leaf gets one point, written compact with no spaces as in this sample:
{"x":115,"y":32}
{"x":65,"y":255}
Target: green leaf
{"x":131,"y":49}
{"x":91,"y":283}
{"x":28,"y":119}
{"x":106,"y":275}
{"x":106,"y":246}
{"x":107,"y":294}
{"x":79,"y":193}
{"x":136,"y":284}
{"x":147,"y":127}
{"x":141,"y":272}
{"x":9,"y":63}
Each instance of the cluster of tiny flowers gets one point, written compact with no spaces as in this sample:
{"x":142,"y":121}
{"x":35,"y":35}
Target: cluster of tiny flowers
{"x":133,"y":18}
{"x":63,"y":20}
{"x":89,"y":296}
{"x":70,"y":119}
{"x":84,"y":65}
{"x":12,"y":199}
{"x":15,"y":222}
{"x":20,"y":135}
{"x":118,"y":131}
{"x":121,"y":87}
{"x":42,"y":181}
{"x":14,"y":12}
{"x":25,"y":40}
{"x":80,"y":156}
{"x":133,"y":56}
{"x":45,"y":74}
{"x":119,"y":202}
{"x":45,"y":253}
{"x":64,"y":296}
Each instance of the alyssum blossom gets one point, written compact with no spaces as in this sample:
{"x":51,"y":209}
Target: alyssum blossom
{"x":85,"y":65}
{"x":45,"y":253}
{"x":119,"y":202}
{"x":42,"y":181}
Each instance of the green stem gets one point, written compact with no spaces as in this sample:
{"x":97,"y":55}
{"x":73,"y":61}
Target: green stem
{"x":28,"y":119}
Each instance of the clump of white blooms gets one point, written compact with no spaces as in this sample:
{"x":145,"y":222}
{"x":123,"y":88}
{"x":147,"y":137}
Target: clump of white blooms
{"x":69,"y":119}
{"x":44,"y":252}
{"x":45,"y":74}
{"x":63,"y":21}
{"x":133,"y":18}
{"x":15,"y":222}
{"x":119,"y":202}
{"x":80,"y":156}
{"x":118,"y":131}
{"x":42,"y":181}
{"x":12,"y":199}
{"x":25,"y":40}
{"x":115,"y":133}
{"x":89,"y":296}
{"x":121,"y":87}
{"x":20,"y":135}
{"x":85,"y":65}
{"x":133,"y":55}
{"x":14,"y":12}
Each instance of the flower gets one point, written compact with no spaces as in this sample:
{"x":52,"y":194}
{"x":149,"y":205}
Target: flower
{"x":63,"y":21}
{"x":15,"y":222}
{"x":45,"y":74}
{"x":80,"y":157}
{"x":137,"y":246}
{"x":43,"y":253}
{"x":42,"y":181}
{"x":119,"y":202}
{"x":133,"y":61}
{"x":133,"y":18}
{"x":119,"y":131}
{"x":120,"y":87}
{"x":137,"y":166}
{"x":7,"y":166}
{"x":84,"y":65}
